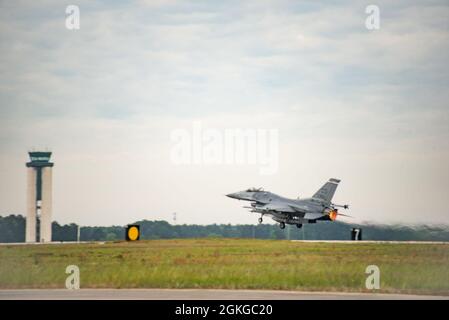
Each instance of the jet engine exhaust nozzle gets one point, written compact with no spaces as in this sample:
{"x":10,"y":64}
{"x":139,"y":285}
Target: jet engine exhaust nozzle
{"x":333,"y":214}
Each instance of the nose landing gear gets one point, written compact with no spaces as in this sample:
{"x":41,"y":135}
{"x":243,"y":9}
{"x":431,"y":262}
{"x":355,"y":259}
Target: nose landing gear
{"x":260,"y":220}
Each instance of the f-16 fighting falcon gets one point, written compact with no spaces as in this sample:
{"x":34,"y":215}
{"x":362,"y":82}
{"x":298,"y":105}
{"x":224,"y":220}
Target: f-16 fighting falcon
{"x":293,"y":211}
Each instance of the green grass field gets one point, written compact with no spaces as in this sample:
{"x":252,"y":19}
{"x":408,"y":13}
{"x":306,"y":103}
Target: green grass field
{"x":231,"y":264}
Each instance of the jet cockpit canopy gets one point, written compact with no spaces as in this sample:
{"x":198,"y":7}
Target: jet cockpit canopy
{"x":254,"y":190}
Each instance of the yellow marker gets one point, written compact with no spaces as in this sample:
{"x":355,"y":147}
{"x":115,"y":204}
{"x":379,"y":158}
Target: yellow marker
{"x":132,"y":233}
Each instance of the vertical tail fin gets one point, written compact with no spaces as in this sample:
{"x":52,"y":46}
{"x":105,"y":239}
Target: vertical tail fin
{"x":327,"y":191}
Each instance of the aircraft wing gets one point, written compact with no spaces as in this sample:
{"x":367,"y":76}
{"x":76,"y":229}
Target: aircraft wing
{"x":279,"y":207}
{"x":298,"y":208}
{"x":313,"y":215}
{"x":294,"y":210}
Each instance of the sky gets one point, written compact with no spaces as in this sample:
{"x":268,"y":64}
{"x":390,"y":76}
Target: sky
{"x":369,"y":107}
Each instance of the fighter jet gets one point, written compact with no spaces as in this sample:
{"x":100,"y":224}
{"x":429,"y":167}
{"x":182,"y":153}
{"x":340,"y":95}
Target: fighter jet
{"x":293,"y":211}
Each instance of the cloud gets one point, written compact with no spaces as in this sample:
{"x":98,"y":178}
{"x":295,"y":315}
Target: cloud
{"x":369,"y":107}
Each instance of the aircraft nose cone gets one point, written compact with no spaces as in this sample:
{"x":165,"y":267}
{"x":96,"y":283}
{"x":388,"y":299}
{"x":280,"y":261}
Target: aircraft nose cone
{"x":231,"y":195}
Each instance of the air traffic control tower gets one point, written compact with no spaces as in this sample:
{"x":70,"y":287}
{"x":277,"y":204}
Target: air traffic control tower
{"x":39,"y":176}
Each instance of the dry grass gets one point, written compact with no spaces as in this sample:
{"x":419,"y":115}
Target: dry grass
{"x":229,"y":263}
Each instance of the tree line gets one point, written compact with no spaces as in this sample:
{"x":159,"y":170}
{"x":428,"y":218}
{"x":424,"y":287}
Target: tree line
{"x":12,"y":229}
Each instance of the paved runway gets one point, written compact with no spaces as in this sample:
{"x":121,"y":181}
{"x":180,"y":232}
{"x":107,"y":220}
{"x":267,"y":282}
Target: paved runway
{"x":195,"y":294}
{"x":373,"y":241}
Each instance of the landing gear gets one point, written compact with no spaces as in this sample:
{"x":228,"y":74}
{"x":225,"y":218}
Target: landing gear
{"x":260,"y":220}
{"x":299,"y":225}
{"x":282,"y":225}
